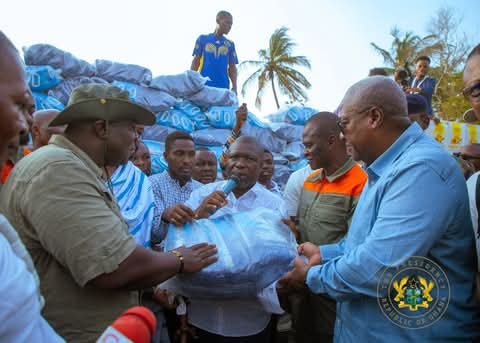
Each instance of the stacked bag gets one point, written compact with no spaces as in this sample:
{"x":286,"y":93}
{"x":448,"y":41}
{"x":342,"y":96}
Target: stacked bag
{"x":180,"y":102}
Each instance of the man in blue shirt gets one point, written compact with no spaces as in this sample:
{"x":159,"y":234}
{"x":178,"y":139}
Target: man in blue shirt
{"x":422,"y":83}
{"x":404,"y":272}
{"x":215,"y":56}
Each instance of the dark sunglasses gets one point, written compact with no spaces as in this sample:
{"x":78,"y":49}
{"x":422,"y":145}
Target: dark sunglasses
{"x":472,"y":92}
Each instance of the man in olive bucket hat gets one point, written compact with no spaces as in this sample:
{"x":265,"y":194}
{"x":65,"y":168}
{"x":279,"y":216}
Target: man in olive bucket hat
{"x":70,"y":223}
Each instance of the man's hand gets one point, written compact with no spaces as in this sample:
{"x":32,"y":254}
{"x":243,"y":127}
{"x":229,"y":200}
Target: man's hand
{"x":291,"y":224}
{"x":161,"y":297}
{"x":178,"y":214}
{"x":310,"y":251}
{"x":211,"y":204}
{"x":197,"y":257}
{"x":240,"y":117}
{"x":296,"y":278}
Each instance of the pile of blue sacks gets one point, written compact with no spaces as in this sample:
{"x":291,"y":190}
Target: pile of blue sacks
{"x":180,"y":102}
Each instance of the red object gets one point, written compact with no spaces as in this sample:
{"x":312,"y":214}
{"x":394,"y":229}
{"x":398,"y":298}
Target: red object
{"x":137,"y":324}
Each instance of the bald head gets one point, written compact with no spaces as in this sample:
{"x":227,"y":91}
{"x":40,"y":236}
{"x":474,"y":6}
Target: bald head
{"x":41,"y":132}
{"x":255,"y":147}
{"x":324,"y":124}
{"x":373,"y":116}
{"x":379,"y":91}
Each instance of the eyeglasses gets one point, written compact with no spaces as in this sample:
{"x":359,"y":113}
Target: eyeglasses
{"x":473,"y":92}
{"x":342,"y":125}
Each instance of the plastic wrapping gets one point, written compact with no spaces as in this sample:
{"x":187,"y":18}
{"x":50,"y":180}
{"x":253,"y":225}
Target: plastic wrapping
{"x":195,"y":113}
{"x":115,"y":71}
{"x":45,"y":54}
{"x":254,"y":250}
{"x":217,"y":137}
{"x":63,"y":90}
{"x":45,"y":102}
{"x":153,"y":99}
{"x":40,"y":78}
{"x":265,"y":137}
{"x":297,"y":115}
{"x":288,"y":132}
{"x":212,"y":96}
{"x":180,"y":85}
{"x":176,"y":119}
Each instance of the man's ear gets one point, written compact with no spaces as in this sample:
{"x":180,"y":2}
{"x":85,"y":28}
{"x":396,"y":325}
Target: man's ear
{"x":101,"y":129}
{"x":375,"y":117}
{"x":35,"y":131}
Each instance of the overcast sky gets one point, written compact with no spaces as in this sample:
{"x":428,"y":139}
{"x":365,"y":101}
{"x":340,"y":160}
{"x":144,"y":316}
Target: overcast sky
{"x":160,"y":35}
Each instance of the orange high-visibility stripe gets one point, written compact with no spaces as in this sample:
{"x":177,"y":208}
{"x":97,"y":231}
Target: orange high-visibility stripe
{"x":351,"y":183}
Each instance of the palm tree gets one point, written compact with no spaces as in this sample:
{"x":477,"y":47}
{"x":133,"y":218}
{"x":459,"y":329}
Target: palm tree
{"x":405,"y":49}
{"x":277,"y":66}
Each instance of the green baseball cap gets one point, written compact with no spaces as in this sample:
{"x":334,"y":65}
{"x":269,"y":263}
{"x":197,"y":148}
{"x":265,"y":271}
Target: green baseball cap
{"x":102,"y":102}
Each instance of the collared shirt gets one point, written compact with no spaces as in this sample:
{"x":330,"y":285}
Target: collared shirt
{"x":73,"y":229}
{"x":394,"y":220}
{"x":167,"y":192}
{"x":327,"y":203}
{"x":293,"y":189}
{"x":242,"y":317}
{"x":275,"y":189}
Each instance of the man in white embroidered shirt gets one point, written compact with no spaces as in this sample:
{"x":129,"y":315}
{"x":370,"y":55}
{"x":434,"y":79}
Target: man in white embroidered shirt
{"x":236,"y":320}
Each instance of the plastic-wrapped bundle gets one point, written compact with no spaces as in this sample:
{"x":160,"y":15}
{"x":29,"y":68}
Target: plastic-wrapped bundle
{"x":153,"y":99}
{"x":288,"y":132}
{"x":45,"y":54}
{"x":63,"y":90}
{"x":211,"y":137}
{"x":212,"y":96}
{"x":224,"y":117}
{"x":294,"y":149}
{"x":45,"y":102}
{"x":180,"y":85}
{"x":266,"y":137}
{"x":297,"y":115}
{"x":157,"y":133}
{"x":115,"y":71}
{"x":281,"y":173}
{"x":279,"y":159}
{"x":254,"y":249}
{"x":159,"y":164}
{"x":195,"y":113}
{"x":176,"y":119}
{"x":40,"y":78}
{"x":156,"y":150}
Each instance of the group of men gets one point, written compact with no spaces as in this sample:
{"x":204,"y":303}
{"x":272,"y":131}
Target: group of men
{"x":88,"y":217}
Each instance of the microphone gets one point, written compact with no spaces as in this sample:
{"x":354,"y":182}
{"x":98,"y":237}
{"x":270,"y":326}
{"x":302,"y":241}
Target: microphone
{"x":231,"y":184}
{"x":135,"y":325}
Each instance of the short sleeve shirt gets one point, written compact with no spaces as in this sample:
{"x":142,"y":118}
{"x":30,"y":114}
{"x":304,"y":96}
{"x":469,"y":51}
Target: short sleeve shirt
{"x":216,"y":53}
{"x":74,"y":231}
